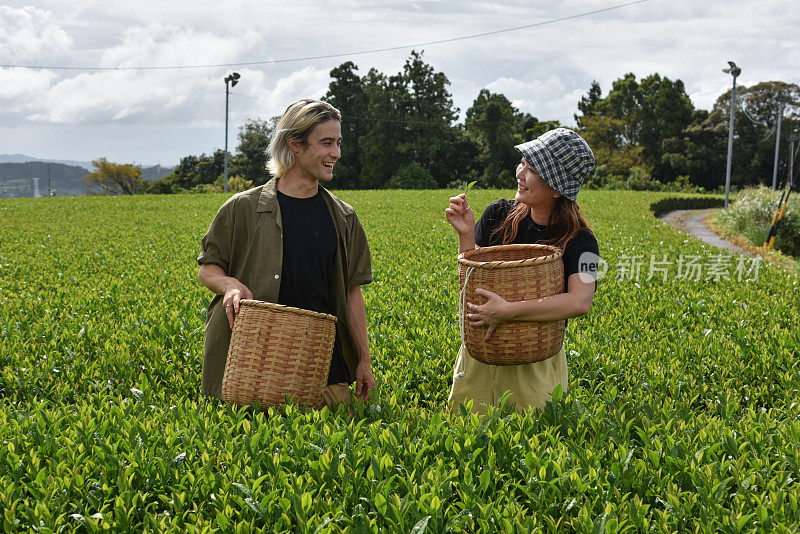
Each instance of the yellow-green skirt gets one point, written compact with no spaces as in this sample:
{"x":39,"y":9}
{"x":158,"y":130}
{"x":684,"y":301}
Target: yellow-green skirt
{"x":531,"y":385}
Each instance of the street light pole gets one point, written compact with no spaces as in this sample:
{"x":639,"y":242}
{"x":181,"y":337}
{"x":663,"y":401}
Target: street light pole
{"x":792,"y":155}
{"x":777,"y":146}
{"x":233,"y":79}
{"x":734,"y":71}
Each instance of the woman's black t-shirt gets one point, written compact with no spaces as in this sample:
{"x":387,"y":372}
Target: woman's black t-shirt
{"x":531,"y":232}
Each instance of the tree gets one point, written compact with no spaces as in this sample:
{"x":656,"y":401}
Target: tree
{"x":587,"y":103}
{"x":114,"y":178}
{"x":251,"y":159}
{"x":494,"y":124}
{"x":536,"y":128}
{"x":635,"y":118}
{"x":700,"y":150}
{"x":346,"y":93}
{"x":615,"y":153}
{"x":429,"y":106}
{"x":193,"y":171}
{"x":399,"y":129}
{"x":378,"y":151}
{"x":666,"y":111}
{"x":761,"y":101}
{"x":531,"y":127}
{"x":409,"y":119}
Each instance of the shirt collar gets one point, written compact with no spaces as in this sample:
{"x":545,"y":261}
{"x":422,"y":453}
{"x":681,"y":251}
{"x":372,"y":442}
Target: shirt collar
{"x":268,"y":201}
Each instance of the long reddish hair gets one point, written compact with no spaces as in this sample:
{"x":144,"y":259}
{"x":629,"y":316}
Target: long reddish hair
{"x":565,"y":222}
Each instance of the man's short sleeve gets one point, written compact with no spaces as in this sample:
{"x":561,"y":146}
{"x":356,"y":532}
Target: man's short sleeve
{"x":359,"y":262}
{"x":216,"y":244}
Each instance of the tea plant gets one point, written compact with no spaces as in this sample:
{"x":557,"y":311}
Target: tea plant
{"x":681,"y":412}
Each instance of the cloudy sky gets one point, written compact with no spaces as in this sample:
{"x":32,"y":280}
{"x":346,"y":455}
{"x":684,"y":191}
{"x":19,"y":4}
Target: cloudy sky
{"x":158,"y":115}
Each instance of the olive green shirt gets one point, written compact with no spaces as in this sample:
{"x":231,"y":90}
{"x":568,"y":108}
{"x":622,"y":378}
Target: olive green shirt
{"x":245,"y":240}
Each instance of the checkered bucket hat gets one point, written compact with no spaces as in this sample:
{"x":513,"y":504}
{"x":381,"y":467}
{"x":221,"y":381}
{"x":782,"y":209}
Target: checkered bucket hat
{"x":562,"y":158}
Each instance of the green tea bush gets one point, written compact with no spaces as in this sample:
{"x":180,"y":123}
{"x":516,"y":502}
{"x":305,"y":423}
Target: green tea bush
{"x":685,"y":202}
{"x":750,"y":215}
{"x":681,"y":412}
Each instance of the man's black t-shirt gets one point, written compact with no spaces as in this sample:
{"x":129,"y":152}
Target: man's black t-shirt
{"x":309,"y":250}
{"x":531,"y":232}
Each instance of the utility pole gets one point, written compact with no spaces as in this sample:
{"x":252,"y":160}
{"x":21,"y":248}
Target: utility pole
{"x":734,"y":71}
{"x":233,"y":79}
{"x":777,"y":146}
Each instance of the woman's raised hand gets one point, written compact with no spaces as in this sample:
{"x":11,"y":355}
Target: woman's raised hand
{"x":460,"y":215}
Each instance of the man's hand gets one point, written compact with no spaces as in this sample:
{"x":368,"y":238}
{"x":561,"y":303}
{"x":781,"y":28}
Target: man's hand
{"x":364,"y":380}
{"x":357,"y":315}
{"x":491,"y":314}
{"x":231,"y":301}
{"x":232,"y":290}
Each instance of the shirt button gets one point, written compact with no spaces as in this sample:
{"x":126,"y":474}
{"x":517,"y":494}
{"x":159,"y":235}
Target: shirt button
{"x":277,"y":276}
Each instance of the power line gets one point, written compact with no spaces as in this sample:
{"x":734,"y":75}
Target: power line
{"x":329,"y":56}
{"x":756,"y":121}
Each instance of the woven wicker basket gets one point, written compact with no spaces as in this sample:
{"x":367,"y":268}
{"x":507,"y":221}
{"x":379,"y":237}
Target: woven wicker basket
{"x":276,"y":351}
{"x":515,"y":272}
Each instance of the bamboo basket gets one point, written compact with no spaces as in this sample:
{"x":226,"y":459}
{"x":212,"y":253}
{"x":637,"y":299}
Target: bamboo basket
{"x":278,"y":351}
{"x":515,"y":272}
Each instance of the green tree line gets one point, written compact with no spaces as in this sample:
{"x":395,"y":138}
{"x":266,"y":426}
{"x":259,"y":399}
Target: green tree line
{"x":401,"y":131}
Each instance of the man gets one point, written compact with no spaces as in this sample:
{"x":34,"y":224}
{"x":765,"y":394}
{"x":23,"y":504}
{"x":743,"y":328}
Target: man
{"x":292,"y":242}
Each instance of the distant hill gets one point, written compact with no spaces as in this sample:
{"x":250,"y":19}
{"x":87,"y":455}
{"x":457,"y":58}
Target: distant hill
{"x":16,"y":179}
{"x":155,"y":172}
{"x":22,"y":158}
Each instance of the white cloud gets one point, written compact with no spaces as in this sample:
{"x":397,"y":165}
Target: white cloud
{"x":308,"y":82}
{"x":18,"y":85}
{"x":29,"y":34}
{"x":158,"y":44}
{"x":546,"y":99}
{"x":148,"y":96}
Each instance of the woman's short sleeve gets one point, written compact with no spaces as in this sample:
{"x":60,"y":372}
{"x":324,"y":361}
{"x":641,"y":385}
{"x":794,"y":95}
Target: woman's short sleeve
{"x":493,"y":216}
{"x":581,"y":254}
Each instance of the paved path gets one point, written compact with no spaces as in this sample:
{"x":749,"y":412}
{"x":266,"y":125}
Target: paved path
{"x":691,"y":222}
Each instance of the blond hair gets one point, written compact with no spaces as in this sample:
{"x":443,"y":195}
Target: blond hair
{"x":296,"y":123}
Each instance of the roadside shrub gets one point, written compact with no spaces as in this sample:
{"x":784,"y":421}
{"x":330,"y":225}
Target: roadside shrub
{"x":681,"y":184}
{"x":750,"y":216}
{"x":412,"y":176}
{"x":640,"y":179}
{"x":685,"y":203}
{"x":163,"y":186}
{"x":463,"y":182}
{"x":236,"y":184}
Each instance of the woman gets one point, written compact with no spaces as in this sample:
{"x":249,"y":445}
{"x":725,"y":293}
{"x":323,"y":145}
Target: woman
{"x":544,"y":210}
